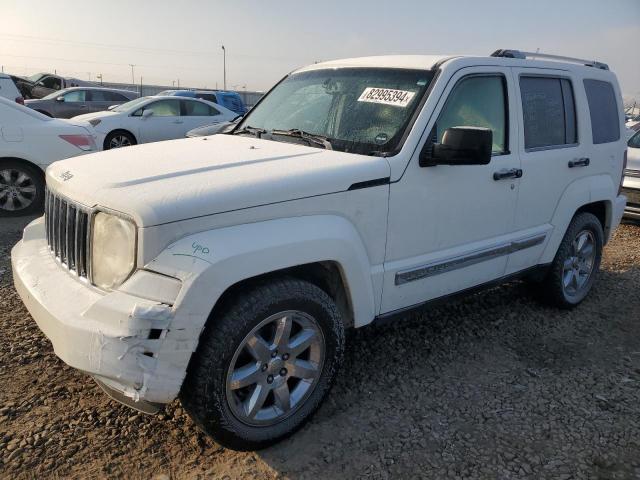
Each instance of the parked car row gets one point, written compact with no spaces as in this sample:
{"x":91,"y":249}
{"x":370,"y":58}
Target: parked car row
{"x":75,"y":101}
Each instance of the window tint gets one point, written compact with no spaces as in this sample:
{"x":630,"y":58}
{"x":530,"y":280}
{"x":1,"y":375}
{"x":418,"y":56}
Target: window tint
{"x":634,"y":142}
{"x":549,"y":112}
{"x":75,"y":96}
{"x":164,"y":108}
{"x":51,"y":82}
{"x":477,"y":102}
{"x":104,"y":96}
{"x":198,"y":109}
{"x":209,"y":97}
{"x":603,"y":110}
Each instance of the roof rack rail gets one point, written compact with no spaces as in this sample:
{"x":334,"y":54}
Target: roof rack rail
{"x":545,"y":56}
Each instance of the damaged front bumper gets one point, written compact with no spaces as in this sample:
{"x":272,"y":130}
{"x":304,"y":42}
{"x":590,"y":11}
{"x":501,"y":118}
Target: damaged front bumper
{"x":117,"y":337}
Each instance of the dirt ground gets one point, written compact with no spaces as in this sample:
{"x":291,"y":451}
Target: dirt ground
{"x":492,"y":386}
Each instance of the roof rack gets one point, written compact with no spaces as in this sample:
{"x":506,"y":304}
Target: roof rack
{"x":545,"y":56}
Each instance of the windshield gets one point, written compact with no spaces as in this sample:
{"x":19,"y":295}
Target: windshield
{"x":129,"y":105}
{"x":35,"y":77}
{"x":359,"y":110}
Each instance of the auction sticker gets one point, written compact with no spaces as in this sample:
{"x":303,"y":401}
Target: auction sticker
{"x":387,"y":96}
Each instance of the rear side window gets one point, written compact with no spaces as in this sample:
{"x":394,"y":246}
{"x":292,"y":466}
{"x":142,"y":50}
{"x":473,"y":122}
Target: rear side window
{"x":603,"y":110}
{"x":549,"y":112}
{"x":208,"y":97}
{"x":199,"y":109}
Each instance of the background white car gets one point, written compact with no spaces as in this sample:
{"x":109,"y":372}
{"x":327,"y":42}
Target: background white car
{"x":9,"y":90}
{"x":151,"y":119}
{"x":631,"y":185}
{"x":29,"y":142}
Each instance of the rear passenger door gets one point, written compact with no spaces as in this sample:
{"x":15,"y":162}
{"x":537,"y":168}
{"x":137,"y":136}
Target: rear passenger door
{"x":552,"y":152}
{"x":165,"y":122}
{"x":197,"y":114}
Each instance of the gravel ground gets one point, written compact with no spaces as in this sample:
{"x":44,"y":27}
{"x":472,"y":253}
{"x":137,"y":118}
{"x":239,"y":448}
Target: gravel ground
{"x":493,"y":386}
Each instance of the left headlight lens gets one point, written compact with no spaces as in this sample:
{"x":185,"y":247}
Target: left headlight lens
{"x":113,"y":247}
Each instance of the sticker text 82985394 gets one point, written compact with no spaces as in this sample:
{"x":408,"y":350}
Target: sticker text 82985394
{"x":387,"y":96}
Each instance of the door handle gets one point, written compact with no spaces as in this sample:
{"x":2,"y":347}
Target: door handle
{"x":507,"y":173}
{"x":580,"y":162}
{"x":177,"y":121}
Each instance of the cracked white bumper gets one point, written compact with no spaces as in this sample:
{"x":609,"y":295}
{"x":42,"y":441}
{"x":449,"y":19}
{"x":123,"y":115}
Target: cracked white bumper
{"x":117,"y":337}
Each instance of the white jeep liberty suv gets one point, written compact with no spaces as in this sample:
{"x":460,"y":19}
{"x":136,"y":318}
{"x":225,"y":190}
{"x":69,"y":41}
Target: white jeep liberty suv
{"x":226,"y":269}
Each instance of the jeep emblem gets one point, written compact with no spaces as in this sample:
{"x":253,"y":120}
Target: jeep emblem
{"x":66,"y":176}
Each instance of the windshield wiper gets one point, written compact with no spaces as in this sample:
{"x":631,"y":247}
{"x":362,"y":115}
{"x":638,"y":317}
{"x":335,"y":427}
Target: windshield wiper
{"x":258,"y":132}
{"x":309,"y":137}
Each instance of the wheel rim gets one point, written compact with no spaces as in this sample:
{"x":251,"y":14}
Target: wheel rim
{"x":275,"y":368}
{"x":17,"y":189}
{"x":578,"y":266}
{"x":119,"y":141}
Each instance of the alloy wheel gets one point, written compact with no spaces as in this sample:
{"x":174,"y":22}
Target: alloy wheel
{"x":275,"y":368}
{"x":578,"y":266}
{"x":17,"y":189}
{"x":119,"y":141}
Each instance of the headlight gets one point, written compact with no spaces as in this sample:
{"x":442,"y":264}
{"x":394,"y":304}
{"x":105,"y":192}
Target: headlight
{"x":113,"y":246}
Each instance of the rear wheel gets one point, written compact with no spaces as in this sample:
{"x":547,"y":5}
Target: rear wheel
{"x":119,"y":139}
{"x":576,"y":263}
{"x":21,"y":189}
{"x":264,"y":366}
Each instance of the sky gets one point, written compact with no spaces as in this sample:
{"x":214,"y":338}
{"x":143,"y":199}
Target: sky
{"x":170,"y":42}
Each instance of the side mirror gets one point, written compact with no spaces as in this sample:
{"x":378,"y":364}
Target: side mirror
{"x":147,"y":113}
{"x":460,"y":146}
{"x":60,"y":99}
{"x":111,"y":107}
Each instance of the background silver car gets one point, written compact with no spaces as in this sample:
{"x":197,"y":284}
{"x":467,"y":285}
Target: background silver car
{"x":78,"y":100}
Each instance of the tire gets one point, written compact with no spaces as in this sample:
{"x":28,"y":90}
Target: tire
{"x":21,"y":189}
{"x":563,"y":287}
{"x":219,"y":406}
{"x":119,"y":139}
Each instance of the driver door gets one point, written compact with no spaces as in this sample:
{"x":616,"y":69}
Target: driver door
{"x":450,"y":226}
{"x":164,"y":122}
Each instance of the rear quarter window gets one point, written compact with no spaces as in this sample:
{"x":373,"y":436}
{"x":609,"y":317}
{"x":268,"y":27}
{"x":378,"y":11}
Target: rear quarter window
{"x":603,"y":110}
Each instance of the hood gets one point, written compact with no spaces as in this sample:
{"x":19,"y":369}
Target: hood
{"x":179,"y":179}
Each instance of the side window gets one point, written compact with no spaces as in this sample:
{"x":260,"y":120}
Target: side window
{"x":51,"y":82}
{"x":603,"y":110}
{"x":549,"y":112}
{"x":198,"y":109}
{"x":75,"y":96}
{"x":115,"y":97}
{"x":163,"y":108}
{"x":634,"y":142}
{"x":209,"y":97}
{"x":477,"y":101}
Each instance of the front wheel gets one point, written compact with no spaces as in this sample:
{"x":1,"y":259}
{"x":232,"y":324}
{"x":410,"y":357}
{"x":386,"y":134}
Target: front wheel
{"x":576,"y":263}
{"x":118,"y":139}
{"x":21,"y":189}
{"x":265,"y":364}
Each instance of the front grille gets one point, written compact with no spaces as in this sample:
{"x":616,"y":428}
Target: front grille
{"x":67,"y":229}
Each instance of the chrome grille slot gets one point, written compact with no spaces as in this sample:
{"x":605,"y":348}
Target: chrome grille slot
{"x":67,"y":232}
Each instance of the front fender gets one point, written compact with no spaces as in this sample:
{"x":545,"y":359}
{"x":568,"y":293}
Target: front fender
{"x":577,"y":194}
{"x":210,"y":262}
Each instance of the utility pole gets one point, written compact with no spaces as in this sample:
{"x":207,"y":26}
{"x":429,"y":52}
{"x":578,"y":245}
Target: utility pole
{"x":173,"y":83}
{"x":100,"y":77}
{"x":224,"y":68}
{"x":133,"y":79}
{"x":178,"y":83}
